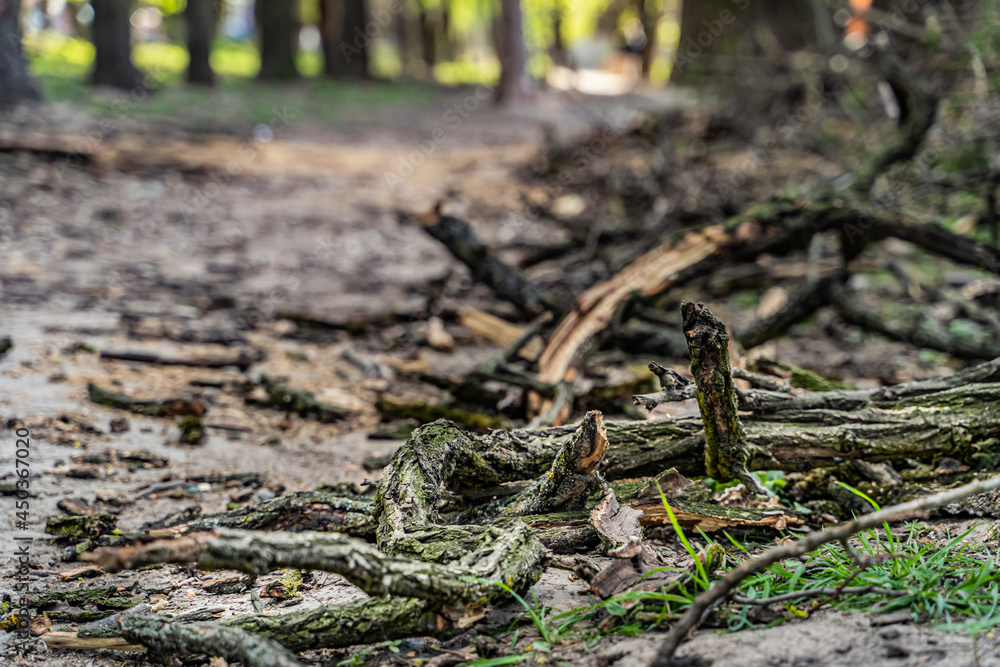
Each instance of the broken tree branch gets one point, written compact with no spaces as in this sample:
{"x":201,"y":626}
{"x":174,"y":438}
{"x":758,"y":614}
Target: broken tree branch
{"x":165,"y":636}
{"x":726,"y":451}
{"x":505,"y":281}
{"x":673,"y":387}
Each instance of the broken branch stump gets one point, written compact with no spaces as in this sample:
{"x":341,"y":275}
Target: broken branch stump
{"x":726,"y":451}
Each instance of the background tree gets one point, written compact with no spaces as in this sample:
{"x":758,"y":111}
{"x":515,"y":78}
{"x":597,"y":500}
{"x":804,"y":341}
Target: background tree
{"x":513,"y":87}
{"x":112,"y":37}
{"x":278,"y":32}
{"x":200,"y":23}
{"x":15,"y":84}
{"x":342,"y":28}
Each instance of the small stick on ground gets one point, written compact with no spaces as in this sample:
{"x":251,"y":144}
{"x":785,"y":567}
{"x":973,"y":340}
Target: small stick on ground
{"x":726,"y":450}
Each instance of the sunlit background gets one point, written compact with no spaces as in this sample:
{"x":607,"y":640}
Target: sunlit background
{"x":598,"y":36}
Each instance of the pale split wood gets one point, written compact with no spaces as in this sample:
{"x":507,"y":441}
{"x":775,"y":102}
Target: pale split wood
{"x":649,"y":274}
{"x":70,"y":640}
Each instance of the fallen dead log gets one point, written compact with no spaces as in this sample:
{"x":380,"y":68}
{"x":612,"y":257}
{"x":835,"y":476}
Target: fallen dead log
{"x":436,"y":558}
{"x":433,"y":560}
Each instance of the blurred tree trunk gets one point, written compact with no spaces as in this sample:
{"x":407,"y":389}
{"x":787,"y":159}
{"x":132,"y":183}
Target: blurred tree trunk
{"x":401,"y":26}
{"x":558,"y":52}
{"x":200,"y":22}
{"x":428,"y":36}
{"x":513,"y":87}
{"x":649,"y":14}
{"x":447,"y":47}
{"x":15,"y":84}
{"x":278,"y":31}
{"x":712,"y":28}
{"x":111,"y":33}
{"x":345,"y":40}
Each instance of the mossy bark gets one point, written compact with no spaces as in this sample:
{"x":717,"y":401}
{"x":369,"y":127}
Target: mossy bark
{"x":726,"y":450}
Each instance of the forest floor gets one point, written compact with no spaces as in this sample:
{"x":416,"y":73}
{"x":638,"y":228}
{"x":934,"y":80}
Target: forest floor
{"x":179,"y":238}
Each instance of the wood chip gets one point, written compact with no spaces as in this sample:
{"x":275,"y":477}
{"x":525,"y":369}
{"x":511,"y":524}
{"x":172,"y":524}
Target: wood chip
{"x":438,"y":337}
{"x":490,"y":327}
{"x":619,"y":525}
{"x":70,"y":640}
{"x":40,"y":625}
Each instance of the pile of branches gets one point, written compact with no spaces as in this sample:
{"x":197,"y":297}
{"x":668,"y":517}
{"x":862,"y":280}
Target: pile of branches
{"x":632,"y":309}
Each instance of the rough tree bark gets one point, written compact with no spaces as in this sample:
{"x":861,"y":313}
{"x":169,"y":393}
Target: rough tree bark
{"x":278,"y":31}
{"x":726,"y":451}
{"x":342,"y":27}
{"x":199,"y":23}
{"x":112,"y":36}
{"x":15,"y":84}
{"x":437,"y":576}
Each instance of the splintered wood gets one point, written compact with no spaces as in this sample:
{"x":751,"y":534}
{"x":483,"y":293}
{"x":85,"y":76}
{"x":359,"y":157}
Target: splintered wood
{"x":650,"y":274}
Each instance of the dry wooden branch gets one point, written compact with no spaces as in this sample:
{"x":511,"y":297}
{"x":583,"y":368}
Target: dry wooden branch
{"x":165,"y":636}
{"x":505,"y":281}
{"x":917,"y":110}
{"x":810,"y":299}
{"x":673,"y":387}
{"x":728,"y":582}
{"x":242,"y":360}
{"x":851,"y":308}
{"x":357,"y":561}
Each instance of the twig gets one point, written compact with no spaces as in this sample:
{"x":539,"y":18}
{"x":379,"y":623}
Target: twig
{"x":243,"y":360}
{"x":673,"y":387}
{"x":765,"y":382}
{"x":728,"y":582}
